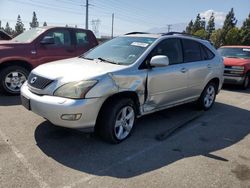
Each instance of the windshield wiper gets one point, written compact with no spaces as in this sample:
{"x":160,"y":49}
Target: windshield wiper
{"x":108,"y":61}
{"x":85,"y":58}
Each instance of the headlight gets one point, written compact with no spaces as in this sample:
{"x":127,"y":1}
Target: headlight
{"x":238,"y":67}
{"x":75,"y":90}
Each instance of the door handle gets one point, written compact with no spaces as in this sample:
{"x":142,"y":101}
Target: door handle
{"x":184,"y":70}
{"x":209,"y":66}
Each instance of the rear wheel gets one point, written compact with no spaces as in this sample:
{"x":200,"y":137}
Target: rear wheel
{"x":117,"y":120}
{"x":246,"y":81}
{"x":207,"y":98}
{"x":12,"y":79}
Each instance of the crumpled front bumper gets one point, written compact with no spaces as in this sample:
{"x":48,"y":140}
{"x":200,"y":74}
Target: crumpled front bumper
{"x":52,"y":108}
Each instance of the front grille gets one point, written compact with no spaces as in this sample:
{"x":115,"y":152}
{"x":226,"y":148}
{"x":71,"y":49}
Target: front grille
{"x":231,"y":71}
{"x":38,"y":82}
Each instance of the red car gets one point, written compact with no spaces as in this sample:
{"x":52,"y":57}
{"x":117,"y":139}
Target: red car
{"x":237,"y":65}
{"x":37,"y":46}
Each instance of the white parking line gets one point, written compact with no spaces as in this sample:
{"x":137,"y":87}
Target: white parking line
{"x":24,"y":161}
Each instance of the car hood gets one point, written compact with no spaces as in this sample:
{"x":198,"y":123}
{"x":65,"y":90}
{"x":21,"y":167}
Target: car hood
{"x":75,"y":69}
{"x":8,"y":44}
{"x":236,"y":61}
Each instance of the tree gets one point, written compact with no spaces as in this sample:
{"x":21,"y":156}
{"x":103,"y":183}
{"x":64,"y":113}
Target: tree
{"x":203,"y":23}
{"x":44,"y":24}
{"x":216,"y":38}
{"x":210,"y":26}
{"x":245,"y":32}
{"x":8,"y":29}
{"x":198,"y":24}
{"x":229,"y":23}
{"x":232,"y":37}
{"x":19,"y":26}
{"x":189,"y":28}
{"x":201,"y":33}
{"x":34,"y":22}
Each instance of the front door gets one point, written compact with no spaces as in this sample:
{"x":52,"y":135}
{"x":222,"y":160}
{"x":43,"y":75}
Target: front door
{"x":167,"y":85}
{"x":61,"y":49}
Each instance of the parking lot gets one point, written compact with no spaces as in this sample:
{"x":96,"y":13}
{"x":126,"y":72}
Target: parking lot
{"x":212,"y":151}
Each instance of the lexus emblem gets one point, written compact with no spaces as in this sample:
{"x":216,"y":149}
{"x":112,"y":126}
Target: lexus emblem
{"x":33,"y":80}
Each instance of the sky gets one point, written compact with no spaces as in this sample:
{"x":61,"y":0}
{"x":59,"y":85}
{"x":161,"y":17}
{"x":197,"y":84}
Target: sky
{"x":129,"y":15}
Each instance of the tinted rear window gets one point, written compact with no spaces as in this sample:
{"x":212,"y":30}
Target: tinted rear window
{"x":191,"y":50}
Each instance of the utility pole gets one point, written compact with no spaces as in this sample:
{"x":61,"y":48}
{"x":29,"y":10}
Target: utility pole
{"x":87,"y":15}
{"x":112,"y":32}
{"x":169,"y":27}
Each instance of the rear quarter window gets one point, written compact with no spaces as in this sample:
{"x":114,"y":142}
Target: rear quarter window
{"x":206,"y":53}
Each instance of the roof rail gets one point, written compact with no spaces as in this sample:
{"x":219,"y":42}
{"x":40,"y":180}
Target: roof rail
{"x":185,"y":34}
{"x":134,"y":33}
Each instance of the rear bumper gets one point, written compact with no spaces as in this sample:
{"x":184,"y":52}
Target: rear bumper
{"x":53,"y":108}
{"x":238,"y":80}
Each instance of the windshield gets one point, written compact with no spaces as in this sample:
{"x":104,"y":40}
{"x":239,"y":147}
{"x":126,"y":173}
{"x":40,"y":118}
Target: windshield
{"x":235,"y":52}
{"x":29,"y":35}
{"x":121,"y":50}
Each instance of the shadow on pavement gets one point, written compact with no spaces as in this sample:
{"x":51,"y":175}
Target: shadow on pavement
{"x":9,"y":100}
{"x":142,"y":153}
{"x":235,"y":88}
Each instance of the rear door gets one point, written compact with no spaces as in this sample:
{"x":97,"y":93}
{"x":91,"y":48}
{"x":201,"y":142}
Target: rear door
{"x":62,"y":48}
{"x":84,"y":40}
{"x":198,"y":65}
{"x":167,"y":85}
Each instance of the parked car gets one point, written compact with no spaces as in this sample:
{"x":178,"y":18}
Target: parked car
{"x":4,"y":35}
{"x":37,"y":46}
{"x":237,"y":65}
{"x":127,"y":77}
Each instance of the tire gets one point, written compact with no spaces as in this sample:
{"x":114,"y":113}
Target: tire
{"x":12,"y":78}
{"x":117,"y":120}
{"x":207,"y":98}
{"x":245,"y":85}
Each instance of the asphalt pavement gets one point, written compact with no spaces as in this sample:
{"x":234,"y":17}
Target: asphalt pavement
{"x":210,"y":151}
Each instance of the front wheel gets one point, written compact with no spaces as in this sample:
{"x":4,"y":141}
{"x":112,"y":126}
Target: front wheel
{"x":207,"y":97}
{"x":12,"y":79}
{"x":117,"y":120}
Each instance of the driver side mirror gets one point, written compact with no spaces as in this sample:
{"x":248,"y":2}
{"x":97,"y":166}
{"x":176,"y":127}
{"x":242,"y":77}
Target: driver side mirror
{"x":159,"y":61}
{"x":47,"y":40}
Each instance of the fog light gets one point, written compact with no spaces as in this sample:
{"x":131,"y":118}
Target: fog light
{"x":71,"y":117}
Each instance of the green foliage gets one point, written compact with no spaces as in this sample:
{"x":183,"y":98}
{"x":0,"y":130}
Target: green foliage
{"x":229,"y":23}
{"x":19,"y":28}
{"x":216,"y":38}
{"x":202,"y":33}
{"x":210,"y":26}
{"x":34,"y":22}
{"x":8,"y":29}
{"x":233,"y":37}
{"x":189,"y":28}
{"x":198,"y":24}
{"x":245,"y":32}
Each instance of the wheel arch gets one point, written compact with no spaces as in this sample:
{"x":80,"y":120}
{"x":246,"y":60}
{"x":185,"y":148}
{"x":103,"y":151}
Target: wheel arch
{"x":21,"y":63}
{"x":124,"y":94}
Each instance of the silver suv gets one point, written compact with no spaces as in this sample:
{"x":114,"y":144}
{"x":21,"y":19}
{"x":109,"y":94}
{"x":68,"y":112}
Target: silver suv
{"x":107,"y":88}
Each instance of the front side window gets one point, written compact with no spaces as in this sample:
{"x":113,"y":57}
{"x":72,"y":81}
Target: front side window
{"x":170,"y":48}
{"x":121,"y":50}
{"x":191,"y":51}
{"x":61,"y":37}
{"x":235,"y":52}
